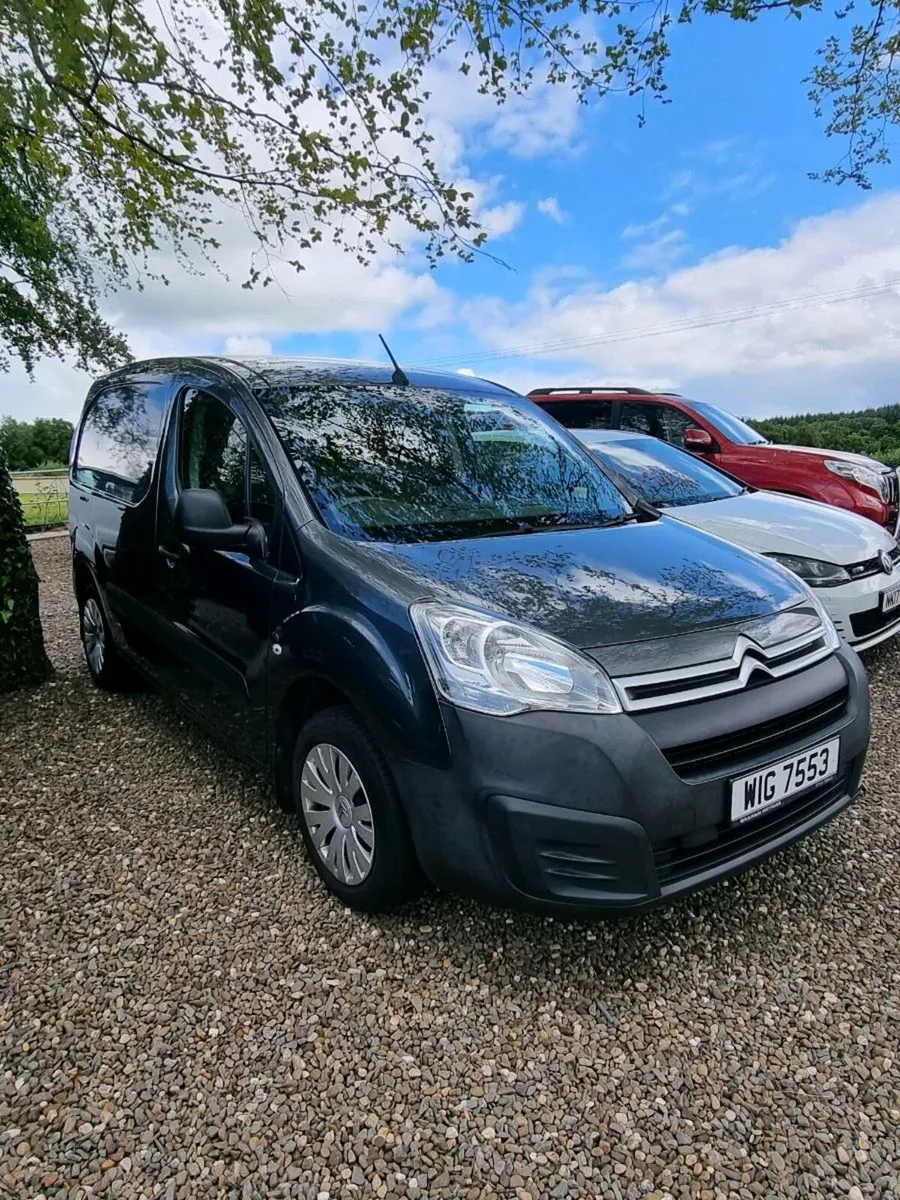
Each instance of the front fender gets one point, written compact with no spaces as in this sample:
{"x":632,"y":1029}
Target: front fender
{"x":378,"y":665}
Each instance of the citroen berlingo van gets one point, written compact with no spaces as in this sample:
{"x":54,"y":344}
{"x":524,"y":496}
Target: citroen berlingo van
{"x":464,"y":654}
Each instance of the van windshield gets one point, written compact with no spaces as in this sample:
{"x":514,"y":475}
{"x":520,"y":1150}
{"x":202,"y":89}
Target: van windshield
{"x":409,"y":464}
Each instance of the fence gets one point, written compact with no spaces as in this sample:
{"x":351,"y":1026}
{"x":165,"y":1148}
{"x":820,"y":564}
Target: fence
{"x":43,"y":496}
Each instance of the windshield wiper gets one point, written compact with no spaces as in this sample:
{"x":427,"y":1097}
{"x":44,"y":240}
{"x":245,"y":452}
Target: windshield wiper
{"x":544,"y":527}
{"x":643,"y":512}
{"x":556,"y":526}
{"x":513,"y":530}
{"x":625,"y":519}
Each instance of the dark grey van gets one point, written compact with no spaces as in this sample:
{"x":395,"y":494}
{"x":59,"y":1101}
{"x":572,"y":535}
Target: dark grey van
{"x":464,"y":653}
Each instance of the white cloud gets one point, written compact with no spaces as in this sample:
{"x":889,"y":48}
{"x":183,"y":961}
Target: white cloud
{"x":542,"y":122}
{"x":721,"y":150}
{"x":665,"y":243}
{"x":659,"y":254}
{"x":212,"y":313}
{"x":59,"y":389}
{"x":502,"y":219}
{"x":637,"y":229}
{"x":545,"y":120}
{"x":241,"y":343}
{"x":669,"y":332}
{"x":550,"y":207}
{"x":673,"y":331}
{"x":725,"y":168}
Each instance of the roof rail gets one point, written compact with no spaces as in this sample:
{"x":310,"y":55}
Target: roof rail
{"x":590,"y":391}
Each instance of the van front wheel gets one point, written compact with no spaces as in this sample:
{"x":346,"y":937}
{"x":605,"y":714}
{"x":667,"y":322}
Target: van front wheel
{"x":350,"y":816}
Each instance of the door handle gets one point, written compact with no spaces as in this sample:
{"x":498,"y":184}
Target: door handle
{"x":84,"y":499}
{"x":171,"y":556}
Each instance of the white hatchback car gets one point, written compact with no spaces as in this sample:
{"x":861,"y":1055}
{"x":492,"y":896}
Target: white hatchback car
{"x":853,"y":564}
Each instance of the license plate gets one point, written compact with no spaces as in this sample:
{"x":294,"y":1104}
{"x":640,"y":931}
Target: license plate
{"x":766,"y":789}
{"x":890,"y":599}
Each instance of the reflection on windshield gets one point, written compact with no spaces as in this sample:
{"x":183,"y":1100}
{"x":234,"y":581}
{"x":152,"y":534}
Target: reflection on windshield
{"x":663,"y":474}
{"x":409,"y":464}
{"x":734,"y":428}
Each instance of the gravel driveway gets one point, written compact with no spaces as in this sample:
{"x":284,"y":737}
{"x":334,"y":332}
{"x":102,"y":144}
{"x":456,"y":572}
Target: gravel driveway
{"x":184,"y":1013}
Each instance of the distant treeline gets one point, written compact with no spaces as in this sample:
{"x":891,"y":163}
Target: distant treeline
{"x":874,"y":431}
{"x":33,"y":444}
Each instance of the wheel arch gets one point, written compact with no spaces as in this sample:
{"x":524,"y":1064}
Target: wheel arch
{"x":307,"y":695}
{"x":85,"y":579}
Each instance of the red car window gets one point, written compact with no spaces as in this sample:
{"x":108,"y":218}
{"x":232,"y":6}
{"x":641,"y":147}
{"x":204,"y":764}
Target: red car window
{"x":580,"y":414}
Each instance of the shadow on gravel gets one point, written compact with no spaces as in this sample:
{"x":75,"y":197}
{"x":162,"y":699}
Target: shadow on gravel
{"x":736,"y":914}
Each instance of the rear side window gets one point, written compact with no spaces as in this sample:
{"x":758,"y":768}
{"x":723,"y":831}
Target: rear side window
{"x":639,"y":417}
{"x":119,"y":441}
{"x":580,"y":414}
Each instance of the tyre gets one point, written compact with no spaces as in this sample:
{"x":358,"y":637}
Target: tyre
{"x":104,"y":663}
{"x":350,"y":816}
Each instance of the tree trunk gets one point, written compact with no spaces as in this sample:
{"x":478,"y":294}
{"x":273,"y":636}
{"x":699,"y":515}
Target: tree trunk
{"x":23,"y":659}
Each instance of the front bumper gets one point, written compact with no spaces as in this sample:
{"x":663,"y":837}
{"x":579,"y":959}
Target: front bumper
{"x":855,"y":609}
{"x":569,"y":813}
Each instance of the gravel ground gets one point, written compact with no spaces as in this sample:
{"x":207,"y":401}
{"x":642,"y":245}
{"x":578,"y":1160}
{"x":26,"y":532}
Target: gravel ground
{"x":184,"y":1013}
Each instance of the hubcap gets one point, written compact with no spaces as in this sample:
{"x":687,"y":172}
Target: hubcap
{"x":337,"y":813}
{"x":93,"y":634}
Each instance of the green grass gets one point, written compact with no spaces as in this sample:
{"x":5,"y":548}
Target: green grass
{"x":44,"y":510}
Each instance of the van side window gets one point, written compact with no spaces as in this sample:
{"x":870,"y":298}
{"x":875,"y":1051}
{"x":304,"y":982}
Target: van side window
{"x":119,"y":441}
{"x":263,"y":496}
{"x":213,"y":451}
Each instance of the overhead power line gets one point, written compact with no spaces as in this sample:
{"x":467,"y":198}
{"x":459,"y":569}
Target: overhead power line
{"x":688,"y":324}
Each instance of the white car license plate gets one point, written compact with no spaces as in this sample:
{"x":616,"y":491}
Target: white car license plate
{"x":765,"y":789}
{"x":890,"y":599}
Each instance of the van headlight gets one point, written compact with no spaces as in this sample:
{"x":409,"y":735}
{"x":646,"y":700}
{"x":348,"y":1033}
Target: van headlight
{"x":814,"y":571}
{"x":492,"y":665}
{"x":831,"y":636}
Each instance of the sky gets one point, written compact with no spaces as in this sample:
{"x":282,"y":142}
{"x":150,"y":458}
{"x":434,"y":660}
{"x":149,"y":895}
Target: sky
{"x":630,"y":254}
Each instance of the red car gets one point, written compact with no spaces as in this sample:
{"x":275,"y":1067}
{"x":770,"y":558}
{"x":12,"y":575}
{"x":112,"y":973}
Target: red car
{"x":850,"y":481}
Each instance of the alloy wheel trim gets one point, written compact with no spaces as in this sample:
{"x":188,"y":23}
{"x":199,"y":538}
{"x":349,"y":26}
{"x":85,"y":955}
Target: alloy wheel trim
{"x":337,"y":813}
{"x":93,"y":635}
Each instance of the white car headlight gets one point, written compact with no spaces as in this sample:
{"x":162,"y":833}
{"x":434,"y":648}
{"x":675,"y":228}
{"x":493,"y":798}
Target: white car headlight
{"x":864,"y":476}
{"x":816,"y":572}
{"x":492,"y":665}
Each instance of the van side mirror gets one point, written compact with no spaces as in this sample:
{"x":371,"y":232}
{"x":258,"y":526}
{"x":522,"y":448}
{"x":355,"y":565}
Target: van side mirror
{"x":202,"y":519}
{"x":697,"y":439}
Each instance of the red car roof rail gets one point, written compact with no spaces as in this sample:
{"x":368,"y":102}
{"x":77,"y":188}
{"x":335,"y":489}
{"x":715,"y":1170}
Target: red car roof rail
{"x":590,"y":391}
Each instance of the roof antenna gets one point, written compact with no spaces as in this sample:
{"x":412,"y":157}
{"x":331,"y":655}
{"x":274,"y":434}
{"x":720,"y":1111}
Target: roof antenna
{"x":399,"y":375}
